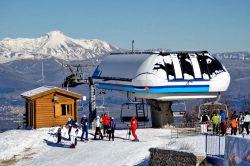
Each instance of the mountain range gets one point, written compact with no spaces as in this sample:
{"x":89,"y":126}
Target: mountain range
{"x":53,"y":45}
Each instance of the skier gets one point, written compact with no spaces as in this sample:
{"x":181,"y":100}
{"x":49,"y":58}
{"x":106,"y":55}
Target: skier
{"x":223,"y":124}
{"x":233,"y":125}
{"x":241,"y":122}
{"x":247,"y":121}
{"x":106,"y":120}
{"x":133,"y":127}
{"x":215,"y":120}
{"x":70,"y":123}
{"x":73,"y":136}
{"x":98,"y":129}
{"x":84,"y":123}
{"x":59,"y":134}
{"x":204,"y":122}
{"x":111,"y":128}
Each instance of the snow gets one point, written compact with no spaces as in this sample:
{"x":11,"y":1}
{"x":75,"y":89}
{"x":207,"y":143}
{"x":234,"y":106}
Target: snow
{"x":55,"y":44}
{"x":36,"y":91}
{"x":38,"y":147}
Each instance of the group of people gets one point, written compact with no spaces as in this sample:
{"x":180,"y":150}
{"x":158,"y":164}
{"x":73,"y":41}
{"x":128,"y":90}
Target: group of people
{"x":103,"y":121}
{"x":219,"y":122}
{"x":108,"y":124}
{"x":240,"y":122}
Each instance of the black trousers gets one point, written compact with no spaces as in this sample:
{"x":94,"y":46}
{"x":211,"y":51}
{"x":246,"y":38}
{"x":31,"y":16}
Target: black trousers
{"x":233,"y":130}
{"x":59,"y":138}
{"x":98,"y":132}
{"x":111,"y":133}
{"x":215,"y":128}
{"x":105,"y":128}
{"x":246,"y":124}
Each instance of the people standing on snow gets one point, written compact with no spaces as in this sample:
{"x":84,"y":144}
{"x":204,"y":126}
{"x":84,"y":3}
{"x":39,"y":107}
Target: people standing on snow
{"x":215,"y":121}
{"x":70,"y":123}
{"x":204,"y":122}
{"x":111,"y":128}
{"x":106,"y":120}
{"x":73,"y":135}
{"x":247,"y":121}
{"x":133,"y":126}
{"x":233,"y":125}
{"x":98,"y":129}
{"x":84,"y":124}
{"x":223,"y":124}
{"x":241,"y":122}
{"x":59,"y":134}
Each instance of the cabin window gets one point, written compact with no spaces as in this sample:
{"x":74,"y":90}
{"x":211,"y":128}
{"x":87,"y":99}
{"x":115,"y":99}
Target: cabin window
{"x":209,"y":66}
{"x":63,"y":110}
{"x":186,"y":66}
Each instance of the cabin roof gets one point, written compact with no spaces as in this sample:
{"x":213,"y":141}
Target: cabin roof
{"x":44,"y":90}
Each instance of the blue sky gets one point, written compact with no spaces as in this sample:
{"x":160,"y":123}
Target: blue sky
{"x":214,"y":25}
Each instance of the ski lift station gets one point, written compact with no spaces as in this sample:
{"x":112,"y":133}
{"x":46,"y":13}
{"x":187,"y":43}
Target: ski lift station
{"x":162,"y":77}
{"x":155,"y":79}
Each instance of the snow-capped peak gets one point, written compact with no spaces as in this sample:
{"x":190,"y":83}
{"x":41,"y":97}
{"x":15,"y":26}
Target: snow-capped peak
{"x":55,"y":44}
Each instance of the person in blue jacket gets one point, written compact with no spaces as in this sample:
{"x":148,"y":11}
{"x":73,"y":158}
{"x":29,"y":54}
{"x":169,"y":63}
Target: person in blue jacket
{"x":84,"y":124}
{"x":70,"y":123}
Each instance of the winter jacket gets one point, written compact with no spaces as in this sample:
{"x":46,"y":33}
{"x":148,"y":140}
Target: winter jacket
{"x":134,"y":124}
{"x":233,"y":123}
{"x":215,"y":119}
{"x":247,"y":118}
{"x":112,"y":124}
{"x":84,"y":122}
{"x":71,"y":123}
{"x":98,"y":122}
{"x":204,"y":118}
{"x":222,"y":117}
{"x":241,"y":119}
{"x":106,"y":120}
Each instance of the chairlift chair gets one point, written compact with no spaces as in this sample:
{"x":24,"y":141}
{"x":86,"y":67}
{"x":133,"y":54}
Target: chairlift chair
{"x":134,"y":108}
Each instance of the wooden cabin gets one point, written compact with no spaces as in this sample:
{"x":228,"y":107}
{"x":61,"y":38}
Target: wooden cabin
{"x":50,"y":106}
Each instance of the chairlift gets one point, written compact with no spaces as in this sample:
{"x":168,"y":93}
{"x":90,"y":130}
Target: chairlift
{"x":102,"y":109}
{"x":137,"y":108}
{"x":212,"y":107}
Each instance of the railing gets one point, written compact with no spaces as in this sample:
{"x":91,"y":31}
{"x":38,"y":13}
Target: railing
{"x":214,"y":145}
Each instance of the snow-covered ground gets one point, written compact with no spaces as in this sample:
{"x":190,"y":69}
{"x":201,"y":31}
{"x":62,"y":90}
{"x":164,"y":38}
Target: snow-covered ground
{"x":38,"y":147}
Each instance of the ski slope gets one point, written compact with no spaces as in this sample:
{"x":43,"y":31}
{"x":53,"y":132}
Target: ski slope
{"x":38,"y":147}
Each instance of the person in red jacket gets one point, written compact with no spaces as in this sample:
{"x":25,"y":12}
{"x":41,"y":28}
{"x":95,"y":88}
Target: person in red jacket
{"x":133,"y":127}
{"x":106,"y":120}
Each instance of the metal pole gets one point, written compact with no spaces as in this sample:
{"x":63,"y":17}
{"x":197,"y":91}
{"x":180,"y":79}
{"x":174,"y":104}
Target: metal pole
{"x":206,"y":144}
{"x":133,"y":46}
{"x":92,"y":102}
{"x":219,"y":145}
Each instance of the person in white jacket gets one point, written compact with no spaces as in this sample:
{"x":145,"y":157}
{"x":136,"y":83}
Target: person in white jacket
{"x":73,"y":136}
{"x":98,"y":128}
{"x":247,"y":121}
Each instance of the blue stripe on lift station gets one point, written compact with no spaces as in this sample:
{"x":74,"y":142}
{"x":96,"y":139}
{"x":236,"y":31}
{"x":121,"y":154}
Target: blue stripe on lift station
{"x":156,"y":89}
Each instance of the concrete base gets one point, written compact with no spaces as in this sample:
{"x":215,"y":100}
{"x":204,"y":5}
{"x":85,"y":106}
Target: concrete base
{"x":161,"y":113}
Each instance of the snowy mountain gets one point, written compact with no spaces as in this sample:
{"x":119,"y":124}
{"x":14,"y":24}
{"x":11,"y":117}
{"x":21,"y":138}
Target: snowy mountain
{"x":233,"y":55}
{"x":53,"y":44}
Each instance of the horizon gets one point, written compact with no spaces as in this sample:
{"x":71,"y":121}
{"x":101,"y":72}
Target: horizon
{"x":216,"y":26}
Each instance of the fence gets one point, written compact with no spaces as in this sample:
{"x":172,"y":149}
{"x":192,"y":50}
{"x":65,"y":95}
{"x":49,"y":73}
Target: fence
{"x":185,"y":129}
{"x":215,"y":145}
